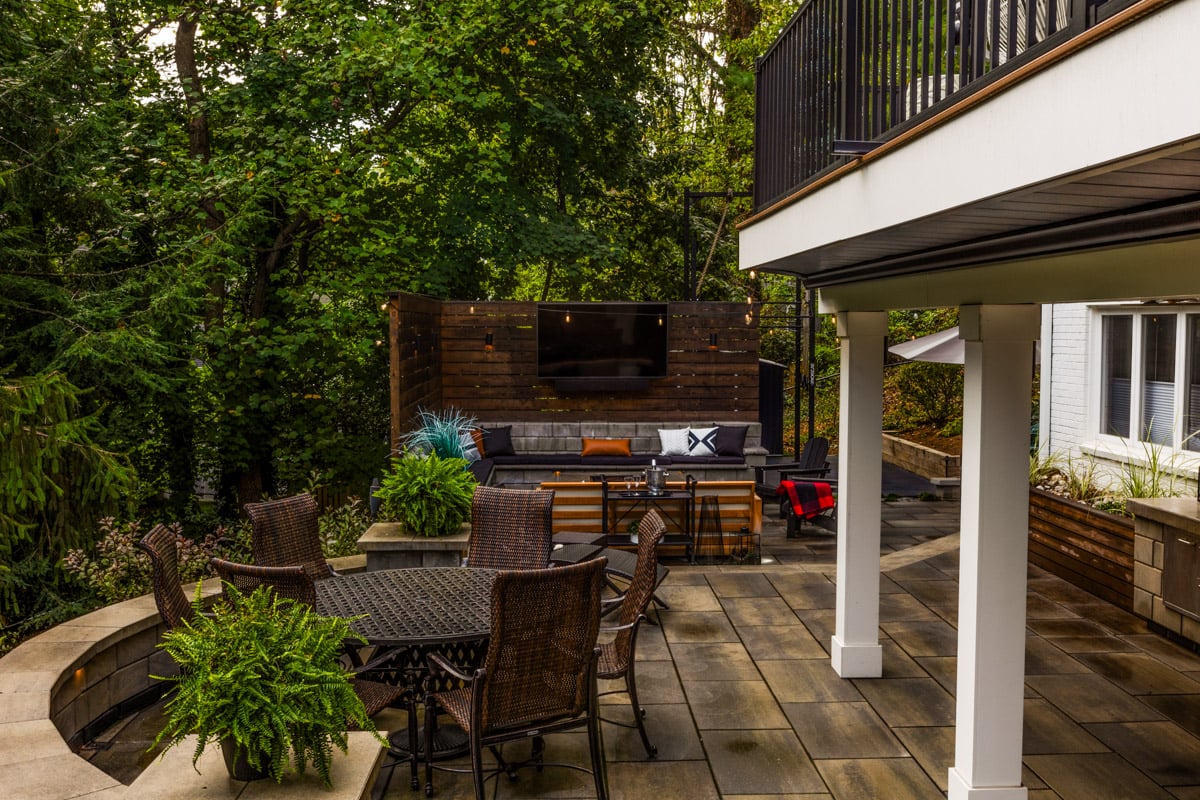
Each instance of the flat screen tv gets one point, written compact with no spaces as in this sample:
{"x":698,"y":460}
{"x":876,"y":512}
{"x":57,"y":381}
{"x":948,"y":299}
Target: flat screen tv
{"x":614,"y":343}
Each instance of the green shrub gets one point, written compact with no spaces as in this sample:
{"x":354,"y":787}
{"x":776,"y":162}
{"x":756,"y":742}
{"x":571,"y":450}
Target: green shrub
{"x":342,"y":527}
{"x":930,"y":393}
{"x":117,"y":570}
{"x":430,"y":496}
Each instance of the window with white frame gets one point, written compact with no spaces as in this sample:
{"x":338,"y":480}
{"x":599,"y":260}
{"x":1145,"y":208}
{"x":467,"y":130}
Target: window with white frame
{"x":1150,"y":376}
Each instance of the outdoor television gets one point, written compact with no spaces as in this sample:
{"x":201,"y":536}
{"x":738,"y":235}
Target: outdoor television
{"x":606,"y":345}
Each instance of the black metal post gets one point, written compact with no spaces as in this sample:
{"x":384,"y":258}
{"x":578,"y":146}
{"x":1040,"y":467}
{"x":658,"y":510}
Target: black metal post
{"x":812,"y":363}
{"x":800,"y":379}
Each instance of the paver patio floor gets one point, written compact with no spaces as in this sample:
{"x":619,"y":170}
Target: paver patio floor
{"x":743,"y":704}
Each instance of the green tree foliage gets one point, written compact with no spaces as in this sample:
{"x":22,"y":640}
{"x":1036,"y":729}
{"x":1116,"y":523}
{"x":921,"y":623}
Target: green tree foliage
{"x":202,"y":204}
{"x":55,"y":485}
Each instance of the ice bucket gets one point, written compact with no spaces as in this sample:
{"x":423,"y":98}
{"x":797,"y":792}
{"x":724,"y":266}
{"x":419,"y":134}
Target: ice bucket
{"x":656,"y":480}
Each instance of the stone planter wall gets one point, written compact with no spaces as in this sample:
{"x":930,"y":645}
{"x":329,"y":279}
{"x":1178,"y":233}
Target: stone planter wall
{"x":388,"y":547}
{"x":71,"y":681}
{"x":1089,"y":548}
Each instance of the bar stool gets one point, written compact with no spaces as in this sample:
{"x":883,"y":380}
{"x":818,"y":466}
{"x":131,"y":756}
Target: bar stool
{"x":710,"y":540}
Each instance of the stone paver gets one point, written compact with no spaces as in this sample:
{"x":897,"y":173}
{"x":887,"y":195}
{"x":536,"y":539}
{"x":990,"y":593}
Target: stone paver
{"x":743,"y":703}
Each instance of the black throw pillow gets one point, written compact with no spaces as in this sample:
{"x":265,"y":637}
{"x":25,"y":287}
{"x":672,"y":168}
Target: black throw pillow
{"x":498,"y":442}
{"x":731,"y":440}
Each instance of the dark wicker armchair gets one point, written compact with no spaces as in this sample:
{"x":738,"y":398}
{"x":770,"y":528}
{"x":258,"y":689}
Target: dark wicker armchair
{"x":285,"y":534}
{"x":295,"y":584}
{"x":510,"y":528}
{"x":290,"y":582}
{"x":539,"y":676}
{"x":617,"y":656}
{"x":172,"y":603}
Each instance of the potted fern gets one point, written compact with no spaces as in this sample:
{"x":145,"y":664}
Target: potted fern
{"x":428,"y":495}
{"x":260,"y":675}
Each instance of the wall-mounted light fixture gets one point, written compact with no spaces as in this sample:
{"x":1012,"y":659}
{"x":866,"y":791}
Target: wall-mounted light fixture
{"x":712,"y":341}
{"x":489,"y":343}
{"x":417,"y":343}
{"x":660,"y":320}
{"x":567,"y":318}
{"x":434,"y":339}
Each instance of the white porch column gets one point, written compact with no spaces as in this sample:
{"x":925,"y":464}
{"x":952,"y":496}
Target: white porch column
{"x":856,"y":652}
{"x":994,"y":551}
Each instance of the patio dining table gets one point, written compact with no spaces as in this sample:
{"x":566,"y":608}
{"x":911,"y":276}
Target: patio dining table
{"x":410,"y":613}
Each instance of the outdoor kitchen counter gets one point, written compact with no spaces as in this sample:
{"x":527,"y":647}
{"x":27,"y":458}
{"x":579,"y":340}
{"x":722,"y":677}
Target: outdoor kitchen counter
{"x":1166,"y":564}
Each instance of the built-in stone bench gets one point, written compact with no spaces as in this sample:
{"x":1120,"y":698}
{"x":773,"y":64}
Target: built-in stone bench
{"x":60,"y":688}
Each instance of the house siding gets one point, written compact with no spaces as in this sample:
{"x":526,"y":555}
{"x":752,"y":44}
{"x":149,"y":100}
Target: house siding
{"x":1068,"y":402}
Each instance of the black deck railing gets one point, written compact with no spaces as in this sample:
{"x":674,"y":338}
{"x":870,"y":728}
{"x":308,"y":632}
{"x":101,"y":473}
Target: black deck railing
{"x":865,"y":70}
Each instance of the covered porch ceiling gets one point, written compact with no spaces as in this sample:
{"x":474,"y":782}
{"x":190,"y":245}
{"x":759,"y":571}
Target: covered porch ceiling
{"x":1128,"y":230}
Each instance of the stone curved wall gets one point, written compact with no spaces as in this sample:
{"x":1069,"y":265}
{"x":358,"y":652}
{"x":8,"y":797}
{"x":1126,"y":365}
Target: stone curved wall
{"x":60,"y":683}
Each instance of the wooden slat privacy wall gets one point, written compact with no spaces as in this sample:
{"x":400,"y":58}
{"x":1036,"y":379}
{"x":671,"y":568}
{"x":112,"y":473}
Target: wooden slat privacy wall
{"x":456,"y":370}
{"x":414,"y":329}
{"x":1083,"y":546}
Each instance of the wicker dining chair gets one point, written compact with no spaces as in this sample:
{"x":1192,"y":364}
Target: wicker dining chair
{"x":539,"y":675}
{"x":285,"y":534}
{"x":511,"y":528}
{"x":173,"y":604}
{"x":295,"y":584}
{"x":617,"y":656}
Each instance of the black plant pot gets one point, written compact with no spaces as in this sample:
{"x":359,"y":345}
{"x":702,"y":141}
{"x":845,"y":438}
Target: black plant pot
{"x":235,"y":761}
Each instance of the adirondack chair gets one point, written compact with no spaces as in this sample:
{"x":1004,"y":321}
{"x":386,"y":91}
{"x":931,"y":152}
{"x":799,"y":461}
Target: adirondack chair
{"x":812,"y":464}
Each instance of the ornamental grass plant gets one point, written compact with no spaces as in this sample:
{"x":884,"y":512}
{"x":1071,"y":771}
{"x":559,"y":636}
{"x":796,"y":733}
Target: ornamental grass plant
{"x":445,"y":434}
{"x":262,"y":673}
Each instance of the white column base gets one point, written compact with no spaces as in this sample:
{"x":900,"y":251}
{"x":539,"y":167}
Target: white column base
{"x":856,"y":660}
{"x":959,"y":789}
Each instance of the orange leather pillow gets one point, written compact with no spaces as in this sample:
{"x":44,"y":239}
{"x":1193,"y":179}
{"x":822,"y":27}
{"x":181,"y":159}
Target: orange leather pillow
{"x":605,"y":447}
{"x":477,"y":437}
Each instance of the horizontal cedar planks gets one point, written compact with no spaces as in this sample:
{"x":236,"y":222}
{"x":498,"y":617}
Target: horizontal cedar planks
{"x":1090,"y":549}
{"x":577,"y":505}
{"x":1067,"y":568}
{"x":1116,"y":597}
{"x":502,"y":383}
{"x":1101,"y":544}
{"x":1106,"y":532}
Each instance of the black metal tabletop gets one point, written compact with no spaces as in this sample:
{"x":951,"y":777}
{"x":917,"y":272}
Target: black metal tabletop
{"x":423,"y":606}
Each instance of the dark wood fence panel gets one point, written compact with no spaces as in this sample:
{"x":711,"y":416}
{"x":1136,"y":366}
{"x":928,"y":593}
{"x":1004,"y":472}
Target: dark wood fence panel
{"x":1089,"y":548}
{"x":502,"y":384}
{"x":440,"y":359}
{"x":415,"y":357}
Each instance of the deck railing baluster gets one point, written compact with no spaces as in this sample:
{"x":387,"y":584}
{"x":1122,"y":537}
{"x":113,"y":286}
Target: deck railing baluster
{"x":868,"y":69}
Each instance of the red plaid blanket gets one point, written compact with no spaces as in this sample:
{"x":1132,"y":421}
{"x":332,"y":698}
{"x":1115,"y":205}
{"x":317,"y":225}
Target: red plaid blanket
{"x":808,"y":498}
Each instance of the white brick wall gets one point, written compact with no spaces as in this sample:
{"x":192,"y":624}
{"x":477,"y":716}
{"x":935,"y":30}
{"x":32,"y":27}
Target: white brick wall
{"x":1068,"y":401}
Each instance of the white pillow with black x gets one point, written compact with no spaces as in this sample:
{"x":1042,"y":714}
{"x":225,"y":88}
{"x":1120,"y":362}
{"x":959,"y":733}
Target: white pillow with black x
{"x":702,"y":441}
